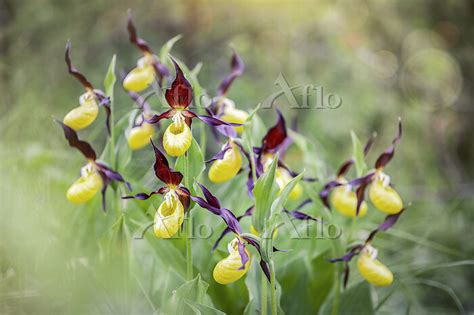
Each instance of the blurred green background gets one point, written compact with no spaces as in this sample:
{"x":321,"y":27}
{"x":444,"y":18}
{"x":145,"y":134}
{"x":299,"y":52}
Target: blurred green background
{"x":384,"y":59}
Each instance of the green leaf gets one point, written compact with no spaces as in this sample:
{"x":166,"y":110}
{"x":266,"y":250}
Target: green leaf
{"x":191,"y":298}
{"x":195,"y":167}
{"x":110,"y":78}
{"x":166,"y":48}
{"x":265,"y":191}
{"x":275,"y":211}
{"x":358,"y":155}
{"x":201,"y":309}
{"x":316,"y":277}
{"x":355,"y":300}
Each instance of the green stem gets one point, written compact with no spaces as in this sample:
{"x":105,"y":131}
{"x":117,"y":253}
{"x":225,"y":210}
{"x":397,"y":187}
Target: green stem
{"x":188,"y":231}
{"x":337,"y":281}
{"x":273,"y":289}
{"x":264,"y":297}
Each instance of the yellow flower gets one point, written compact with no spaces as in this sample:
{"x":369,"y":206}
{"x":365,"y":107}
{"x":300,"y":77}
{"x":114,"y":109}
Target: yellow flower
{"x":384,"y":197}
{"x":225,"y":169}
{"x":372,"y":269}
{"x":83,"y":115}
{"x":228,"y":269}
{"x":234,"y":115}
{"x":345,"y":201}
{"x":86,"y":187}
{"x":142,"y":76}
{"x":139,"y":137}
{"x":177,"y":138}
{"x":169,"y":217}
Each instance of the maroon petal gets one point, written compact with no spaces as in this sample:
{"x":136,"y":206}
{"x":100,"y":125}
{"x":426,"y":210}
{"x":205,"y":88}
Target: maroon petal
{"x":73,"y":71}
{"x":345,"y":167}
{"x":300,"y":215}
{"x":205,"y":205}
{"x":210,"y":120}
{"x":247,"y":213}
{"x":220,"y":155}
{"x":294,"y":174}
{"x":210,"y":198}
{"x":389,"y":221}
{"x":156,"y":118}
{"x":180,"y":93}
{"x":219,"y":239}
{"x":361,"y":183}
{"x":113,"y":175}
{"x":134,"y":39}
{"x":348,"y":256}
{"x":140,"y":196}
{"x":326,"y":191}
{"x":106,"y":104}
{"x":162,"y":169}
{"x":275,"y":136}
{"x":385,"y":157}
{"x":103,"y":191}
{"x":71,"y":136}
{"x":184,"y":196}
{"x":347,"y":272}
{"x":237,"y":68}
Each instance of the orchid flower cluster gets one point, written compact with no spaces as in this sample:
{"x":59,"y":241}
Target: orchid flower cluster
{"x":340,"y":194}
{"x":227,"y":124}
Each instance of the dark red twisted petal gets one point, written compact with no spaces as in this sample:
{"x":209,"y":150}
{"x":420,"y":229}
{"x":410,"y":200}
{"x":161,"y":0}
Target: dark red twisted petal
{"x":349,"y":255}
{"x":361,"y":183}
{"x":141,"y":196}
{"x":389,"y":221}
{"x":156,"y":118}
{"x":326,"y":191}
{"x":103,"y":191}
{"x":210,"y":198}
{"x":247,"y":213}
{"x":134,"y":39}
{"x":220,"y":155}
{"x":71,"y":136}
{"x":162,"y":170}
{"x":210,"y":120}
{"x":180,"y":93}
{"x":275,"y":136}
{"x":184,"y":196}
{"x":237,"y":68}
{"x":112,"y":175}
{"x":73,"y":71}
{"x":387,"y":156}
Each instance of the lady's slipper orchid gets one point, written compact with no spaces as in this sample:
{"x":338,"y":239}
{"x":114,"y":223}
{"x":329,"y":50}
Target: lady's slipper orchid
{"x":170,"y":214}
{"x":223,"y":107}
{"x":143,"y":75}
{"x":381,"y":193}
{"x":141,"y":132}
{"x":95,"y":175}
{"x":276,"y":140}
{"x":371,"y":269}
{"x":226,"y":168}
{"x":342,"y":198}
{"x":178,"y":136}
{"x":89,"y":102}
{"x":227,"y":270}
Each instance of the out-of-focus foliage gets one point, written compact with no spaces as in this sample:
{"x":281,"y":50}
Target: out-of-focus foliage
{"x":384,"y":59}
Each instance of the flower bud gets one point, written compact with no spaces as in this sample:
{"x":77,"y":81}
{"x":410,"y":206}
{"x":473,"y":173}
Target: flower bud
{"x":83,"y":115}
{"x":228,"y":269}
{"x":85,"y":188}
{"x":225,"y":169}
{"x":282,"y":178}
{"x":177,"y":139}
{"x":345,"y":201}
{"x":373,"y":270}
{"x":384,"y":197}
{"x":168,"y":218}
{"x":139,"y":137}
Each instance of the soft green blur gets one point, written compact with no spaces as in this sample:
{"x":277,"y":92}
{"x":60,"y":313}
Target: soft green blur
{"x":385,"y":59}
